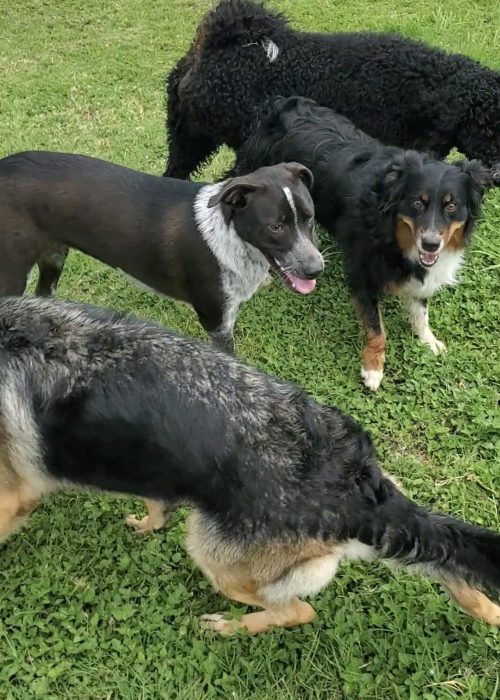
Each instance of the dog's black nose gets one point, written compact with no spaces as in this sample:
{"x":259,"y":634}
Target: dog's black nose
{"x":314,"y":267}
{"x":431,"y":244}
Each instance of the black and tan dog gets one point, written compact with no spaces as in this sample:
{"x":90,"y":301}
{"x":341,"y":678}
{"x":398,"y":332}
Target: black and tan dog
{"x":402,"y":219}
{"x":284,"y":488}
{"x":208,"y":245}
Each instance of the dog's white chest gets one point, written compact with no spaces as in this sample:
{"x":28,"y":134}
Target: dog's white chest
{"x":242,"y":285}
{"x":442,"y":274}
{"x":243,"y":268}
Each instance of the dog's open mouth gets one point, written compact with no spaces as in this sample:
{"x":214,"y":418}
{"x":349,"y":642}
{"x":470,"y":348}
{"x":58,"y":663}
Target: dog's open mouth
{"x":296,"y":284}
{"x":428,"y":259}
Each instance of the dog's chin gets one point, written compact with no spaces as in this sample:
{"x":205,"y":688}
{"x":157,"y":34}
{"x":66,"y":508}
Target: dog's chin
{"x":294,"y":283}
{"x":428,"y":259}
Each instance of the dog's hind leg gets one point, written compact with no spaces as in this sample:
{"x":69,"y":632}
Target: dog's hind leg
{"x":474,"y":602}
{"x":271,"y":577}
{"x":188,"y":145}
{"x":14,"y":510}
{"x":14,"y":271}
{"x":290,"y":614}
{"x":187,"y":153}
{"x":50,"y":267}
{"x":13,"y":280}
{"x":155,"y":519}
{"x":19,"y":249}
{"x":372,"y":366}
{"x":419,"y":319}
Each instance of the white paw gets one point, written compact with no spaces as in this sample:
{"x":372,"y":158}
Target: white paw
{"x":435,"y":345}
{"x":141,"y":525}
{"x":216,"y":623}
{"x":267,"y":281}
{"x":372,"y":378}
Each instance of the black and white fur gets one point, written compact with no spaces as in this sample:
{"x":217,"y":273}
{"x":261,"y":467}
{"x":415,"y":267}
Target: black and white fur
{"x":208,"y":245}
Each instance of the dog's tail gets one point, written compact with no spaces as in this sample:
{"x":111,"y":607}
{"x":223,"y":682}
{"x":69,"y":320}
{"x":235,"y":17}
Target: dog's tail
{"x":239,"y":22}
{"x":465,"y":558}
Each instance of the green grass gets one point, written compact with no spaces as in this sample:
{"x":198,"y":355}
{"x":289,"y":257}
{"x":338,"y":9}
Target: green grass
{"x":90,"y":611}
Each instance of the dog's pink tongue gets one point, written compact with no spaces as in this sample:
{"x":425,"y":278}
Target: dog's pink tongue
{"x":428,"y":258}
{"x":302,"y":286}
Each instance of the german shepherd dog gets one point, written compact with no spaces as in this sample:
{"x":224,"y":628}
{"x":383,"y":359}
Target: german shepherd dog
{"x":402,"y":219}
{"x":283,"y":488}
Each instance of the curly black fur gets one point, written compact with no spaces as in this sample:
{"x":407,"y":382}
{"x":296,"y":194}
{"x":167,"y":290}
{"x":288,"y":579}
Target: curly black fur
{"x":401,"y":91}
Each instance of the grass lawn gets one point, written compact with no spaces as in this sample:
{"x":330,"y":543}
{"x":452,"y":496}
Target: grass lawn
{"x":88,"y":610}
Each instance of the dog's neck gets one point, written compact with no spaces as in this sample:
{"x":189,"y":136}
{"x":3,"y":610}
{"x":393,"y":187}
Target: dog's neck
{"x":231,"y":252}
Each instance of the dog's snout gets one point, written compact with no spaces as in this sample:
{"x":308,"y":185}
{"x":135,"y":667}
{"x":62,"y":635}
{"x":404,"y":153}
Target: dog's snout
{"x":431,"y":242}
{"x":314,"y":265}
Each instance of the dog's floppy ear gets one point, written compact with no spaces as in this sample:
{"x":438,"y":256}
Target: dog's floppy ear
{"x":235,"y":193}
{"x":481,"y":176}
{"x":394,"y":178}
{"x":392,"y":184}
{"x":299,"y":170}
{"x":480,"y":180}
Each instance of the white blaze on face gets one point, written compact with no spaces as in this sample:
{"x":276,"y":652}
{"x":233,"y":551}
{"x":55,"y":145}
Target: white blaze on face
{"x":302,"y":247}
{"x":290,"y":201}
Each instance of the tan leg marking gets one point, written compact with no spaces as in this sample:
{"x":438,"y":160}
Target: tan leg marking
{"x":475,"y":603}
{"x":14,"y":510}
{"x":372,"y":366}
{"x":249,"y":576}
{"x":294,"y":612}
{"x":373,"y":359}
{"x":374,"y":351}
{"x":154,"y":520}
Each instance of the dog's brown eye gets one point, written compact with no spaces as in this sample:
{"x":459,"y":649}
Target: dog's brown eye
{"x":276,"y":228}
{"x":418,"y":204}
{"x":451,"y":207}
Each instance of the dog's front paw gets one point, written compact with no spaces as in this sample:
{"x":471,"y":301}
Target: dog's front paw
{"x":141,"y":525}
{"x":217,"y":623}
{"x":436,"y":346}
{"x":267,"y":281}
{"x":372,"y":378}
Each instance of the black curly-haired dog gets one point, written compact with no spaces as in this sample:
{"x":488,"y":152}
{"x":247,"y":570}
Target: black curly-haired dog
{"x":284,"y":488}
{"x":402,"y":219}
{"x":400,"y":91}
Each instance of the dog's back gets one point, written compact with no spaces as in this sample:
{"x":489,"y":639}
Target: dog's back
{"x":399,"y":90}
{"x":65,"y":175}
{"x":340,"y":155}
{"x":117,"y":404}
{"x":49,"y":201}
{"x":285,"y":487}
